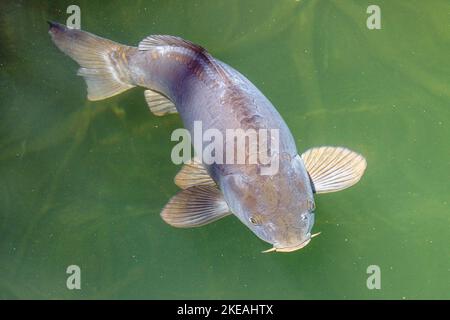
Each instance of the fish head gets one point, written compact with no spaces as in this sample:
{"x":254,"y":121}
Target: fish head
{"x":278,"y":208}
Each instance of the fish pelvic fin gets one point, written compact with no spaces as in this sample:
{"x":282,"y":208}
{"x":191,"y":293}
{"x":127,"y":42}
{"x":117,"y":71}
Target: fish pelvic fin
{"x":199,"y":203}
{"x":333,"y":169}
{"x":103,"y":63}
{"x":193,"y":173}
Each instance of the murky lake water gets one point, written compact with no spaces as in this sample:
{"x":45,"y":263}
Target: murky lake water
{"x":83,"y":182}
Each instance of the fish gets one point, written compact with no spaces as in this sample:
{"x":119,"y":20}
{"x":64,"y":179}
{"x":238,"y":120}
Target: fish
{"x":181,"y":77}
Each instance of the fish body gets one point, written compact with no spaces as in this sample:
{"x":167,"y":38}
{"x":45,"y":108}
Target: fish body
{"x":207,"y":90}
{"x":182,"y":77}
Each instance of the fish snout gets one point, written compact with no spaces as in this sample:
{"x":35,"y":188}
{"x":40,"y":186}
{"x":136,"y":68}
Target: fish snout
{"x":291,"y":248}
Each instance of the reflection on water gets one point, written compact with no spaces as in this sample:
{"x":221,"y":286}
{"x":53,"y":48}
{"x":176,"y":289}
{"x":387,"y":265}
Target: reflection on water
{"x":83,"y":182}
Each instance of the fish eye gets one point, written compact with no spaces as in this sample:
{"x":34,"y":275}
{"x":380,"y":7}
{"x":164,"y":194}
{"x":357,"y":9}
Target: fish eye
{"x":254,"y":220}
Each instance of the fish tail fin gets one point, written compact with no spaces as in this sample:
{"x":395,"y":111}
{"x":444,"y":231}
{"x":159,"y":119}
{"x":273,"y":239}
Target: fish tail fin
{"x":103,"y":62}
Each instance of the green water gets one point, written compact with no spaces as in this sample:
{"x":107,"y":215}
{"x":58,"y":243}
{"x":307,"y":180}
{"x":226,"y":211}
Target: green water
{"x":83,"y":182}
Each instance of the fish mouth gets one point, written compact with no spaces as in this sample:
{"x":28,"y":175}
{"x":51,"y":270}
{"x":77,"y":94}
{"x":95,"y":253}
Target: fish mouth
{"x":293,"y":248}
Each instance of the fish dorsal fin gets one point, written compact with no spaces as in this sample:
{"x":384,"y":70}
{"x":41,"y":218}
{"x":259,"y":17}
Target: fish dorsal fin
{"x":193,"y":173}
{"x":164,"y":40}
{"x":159,"y":104}
{"x":153,"y":41}
{"x":333,"y":168}
{"x":195,"y":207}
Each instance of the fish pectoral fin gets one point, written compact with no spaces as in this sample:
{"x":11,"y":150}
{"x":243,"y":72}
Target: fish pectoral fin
{"x":195,"y":207}
{"x":193,"y":173}
{"x":159,"y":104}
{"x":333,"y":168}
